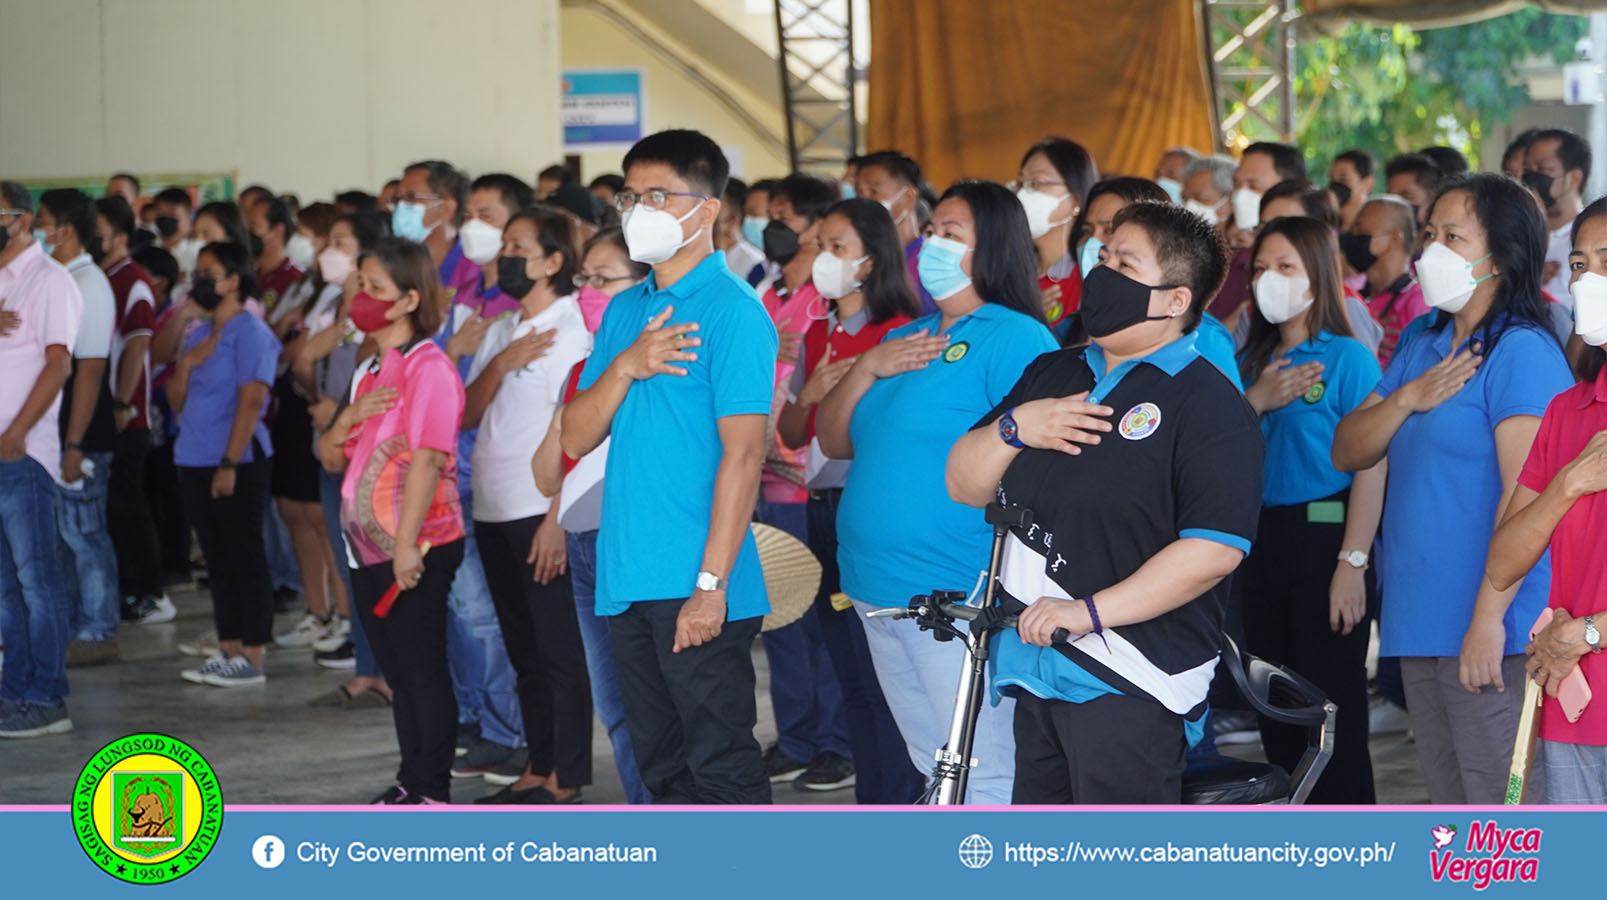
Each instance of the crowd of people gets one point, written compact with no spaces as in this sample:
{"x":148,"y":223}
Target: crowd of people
{"x":515,"y":439}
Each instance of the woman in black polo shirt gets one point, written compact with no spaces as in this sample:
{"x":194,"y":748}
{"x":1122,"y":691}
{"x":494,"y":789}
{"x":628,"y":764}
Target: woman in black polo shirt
{"x":1142,"y":467}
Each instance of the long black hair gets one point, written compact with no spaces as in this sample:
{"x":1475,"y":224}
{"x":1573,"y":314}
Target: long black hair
{"x":1318,"y":248}
{"x":1128,"y":188}
{"x":1515,"y":236}
{"x":887,"y":289}
{"x":235,"y":259}
{"x":1004,"y":265}
{"x":1073,"y":161}
{"x":1589,"y":364}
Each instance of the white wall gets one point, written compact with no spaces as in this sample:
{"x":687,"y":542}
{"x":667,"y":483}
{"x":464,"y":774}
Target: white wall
{"x":311,"y":96}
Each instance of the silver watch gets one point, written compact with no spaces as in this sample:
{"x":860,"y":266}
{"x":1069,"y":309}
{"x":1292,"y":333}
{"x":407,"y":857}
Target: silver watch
{"x":1592,"y":636}
{"x":708,"y":581}
{"x":1356,"y":559}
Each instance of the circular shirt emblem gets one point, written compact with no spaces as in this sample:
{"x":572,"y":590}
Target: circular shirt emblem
{"x":1055,"y":313}
{"x":956,"y":352}
{"x":1140,"y":422}
{"x":1315,"y":392}
{"x":147,"y":809}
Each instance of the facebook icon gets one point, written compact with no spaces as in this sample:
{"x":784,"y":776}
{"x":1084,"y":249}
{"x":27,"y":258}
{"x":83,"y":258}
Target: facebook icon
{"x":268,"y":851}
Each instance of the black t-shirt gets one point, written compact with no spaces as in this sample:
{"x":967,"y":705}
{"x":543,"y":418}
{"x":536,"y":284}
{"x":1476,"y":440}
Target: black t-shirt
{"x":101,"y":435}
{"x":1183,"y":459}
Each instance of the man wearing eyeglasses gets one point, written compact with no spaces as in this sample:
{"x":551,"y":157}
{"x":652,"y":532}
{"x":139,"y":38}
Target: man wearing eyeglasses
{"x":40,"y":307}
{"x":681,"y":378}
{"x":429,"y":209}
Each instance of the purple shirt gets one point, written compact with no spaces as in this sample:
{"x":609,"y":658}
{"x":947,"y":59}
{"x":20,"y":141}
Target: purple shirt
{"x":246,"y":352}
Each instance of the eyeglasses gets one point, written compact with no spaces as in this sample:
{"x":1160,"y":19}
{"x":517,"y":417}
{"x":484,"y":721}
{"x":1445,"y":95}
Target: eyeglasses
{"x":597,"y":281}
{"x":653,"y":199}
{"x":1037,"y":184}
{"x":12,"y":212}
{"x":425,"y":199}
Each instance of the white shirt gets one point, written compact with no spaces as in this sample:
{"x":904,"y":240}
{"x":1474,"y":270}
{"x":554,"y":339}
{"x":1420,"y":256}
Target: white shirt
{"x":1558,"y":246}
{"x":99,"y":319}
{"x":517,"y":418}
{"x":742,"y":257}
{"x":47,"y":301}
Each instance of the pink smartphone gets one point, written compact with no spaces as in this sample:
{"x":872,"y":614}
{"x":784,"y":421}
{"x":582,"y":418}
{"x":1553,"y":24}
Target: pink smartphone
{"x":1573,"y":695}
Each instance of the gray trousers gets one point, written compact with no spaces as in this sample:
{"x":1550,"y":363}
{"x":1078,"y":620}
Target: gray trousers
{"x":1464,"y":741}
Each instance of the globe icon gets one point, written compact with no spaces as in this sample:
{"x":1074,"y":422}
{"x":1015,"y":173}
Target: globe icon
{"x":976,"y":852}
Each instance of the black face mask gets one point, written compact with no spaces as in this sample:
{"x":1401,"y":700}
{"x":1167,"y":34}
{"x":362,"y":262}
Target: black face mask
{"x":1111,"y":302}
{"x":204,"y":291}
{"x":256,"y":246}
{"x":1340,"y":191}
{"x":1541,"y":182}
{"x":780,"y":242}
{"x":1355,"y":247}
{"x":511,"y":277}
{"x":167,"y":226}
{"x":5,"y":238}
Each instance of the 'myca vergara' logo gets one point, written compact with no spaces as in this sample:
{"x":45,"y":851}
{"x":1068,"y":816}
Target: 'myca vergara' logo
{"x":1491,"y":854}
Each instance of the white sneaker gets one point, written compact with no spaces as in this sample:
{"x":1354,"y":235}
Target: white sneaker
{"x":306,"y":632}
{"x":203,"y":644}
{"x":236,"y":671}
{"x":198,"y":675}
{"x":335,"y":634}
{"x":156,"y":610}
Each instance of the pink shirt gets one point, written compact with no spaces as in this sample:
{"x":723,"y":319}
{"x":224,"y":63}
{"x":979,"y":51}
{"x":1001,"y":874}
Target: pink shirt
{"x":1395,"y":308}
{"x":792,"y":316}
{"x":47,"y":302}
{"x":1578,"y":563}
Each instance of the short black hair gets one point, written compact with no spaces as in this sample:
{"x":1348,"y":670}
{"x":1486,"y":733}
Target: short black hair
{"x":1360,"y":160}
{"x":516,"y":195}
{"x":1286,"y":158}
{"x":445,"y":180}
{"x":736,"y":194}
{"x":810,"y":195}
{"x":367,"y":227}
{"x":235,"y":260}
{"x":1449,"y":159}
{"x":1190,"y":250}
{"x":279,"y":216}
{"x":896,"y":164}
{"x":357,"y":201}
{"x":130,"y":177}
{"x":174,"y":195}
{"x":558,"y":171}
{"x":1572,"y":149}
{"x":1425,"y":170}
{"x":1316,"y":202}
{"x":1519,"y":145}
{"x":578,"y":200}
{"x":610,"y":180}
{"x":16,"y":196}
{"x":764,"y":185}
{"x":72,"y":207}
{"x":698,"y":160}
{"x":118,"y":214}
{"x":158,"y":262}
{"x":261,"y":189}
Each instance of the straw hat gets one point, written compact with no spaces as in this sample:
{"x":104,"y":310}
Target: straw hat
{"x":791,"y":575}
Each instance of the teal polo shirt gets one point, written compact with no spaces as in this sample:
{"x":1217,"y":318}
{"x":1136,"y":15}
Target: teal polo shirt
{"x":1299,"y":466}
{"x":898,"y":532}
{"x":658,"y":489}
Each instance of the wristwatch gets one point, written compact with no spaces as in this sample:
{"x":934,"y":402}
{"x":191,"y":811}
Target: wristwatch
{"x":708,"y":581}
{"x":227,"y":463}
{"x":1592,"y":636}
{"x":1008,"y":432}
{"x":1354,"y":558}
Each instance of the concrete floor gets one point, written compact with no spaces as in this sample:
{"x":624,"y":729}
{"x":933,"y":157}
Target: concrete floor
{"x":268,"y":746}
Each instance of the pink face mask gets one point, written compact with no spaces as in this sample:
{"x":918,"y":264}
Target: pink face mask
{"x":592,"y":303}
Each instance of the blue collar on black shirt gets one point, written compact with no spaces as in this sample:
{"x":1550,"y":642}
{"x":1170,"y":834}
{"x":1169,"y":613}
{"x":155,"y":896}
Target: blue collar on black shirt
{"x":1171,"y":359}
{"x":692,"y":281}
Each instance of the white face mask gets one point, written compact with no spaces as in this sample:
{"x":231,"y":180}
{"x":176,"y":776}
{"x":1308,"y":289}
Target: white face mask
{"x":1281,"y":298}
{"x":1039,"y":207}
{"x":1590,"y":308}
{"x":654,"y":235}
{"x":301,"y":251}
{"x":481,"y":240}
{"x":888,"y":205}
{"x":834,"y":276}
{"x":1208,"y":213}
{"x":1447,"y":279}
{"x":1246,"y":209}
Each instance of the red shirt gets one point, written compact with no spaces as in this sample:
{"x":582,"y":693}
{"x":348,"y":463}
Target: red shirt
{"x":822,"y":346}
{"x":1395,"y":307}
{"x":277,"y":283}
{"x":1578,"y":558}
{"x":1070,"y":295}
{"x":135,"y":315}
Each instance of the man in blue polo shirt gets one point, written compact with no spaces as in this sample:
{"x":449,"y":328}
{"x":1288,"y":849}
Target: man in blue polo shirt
{"x":681,"y":378}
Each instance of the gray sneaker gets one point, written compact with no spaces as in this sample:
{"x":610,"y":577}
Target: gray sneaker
{"x":483,"y":757}
{"x":29,"y":721}
{"x":213,"y":664}
{"x":236,"y":671}
{"x":511,"y":770}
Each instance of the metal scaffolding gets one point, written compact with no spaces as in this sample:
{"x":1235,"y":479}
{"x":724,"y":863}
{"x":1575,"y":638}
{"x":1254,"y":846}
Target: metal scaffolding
{"x":815,"y":40}
{"x":1251,"y":47}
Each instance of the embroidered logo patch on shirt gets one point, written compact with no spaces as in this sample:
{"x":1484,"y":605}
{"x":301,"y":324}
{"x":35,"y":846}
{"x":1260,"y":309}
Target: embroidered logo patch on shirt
{"x":956,"y":352}
{"x":1315,"y":392}
{"x":1140,"y":422}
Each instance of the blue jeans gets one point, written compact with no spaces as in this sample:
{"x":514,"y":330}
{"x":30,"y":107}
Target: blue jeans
{"x":600,"y":664}
{"x":804,"y":692}
{"x":281,"y":558}
{"x":88,"y":559}
{"x":329,"y":499}
{"x":482,"y":675}
{"x":33,"y":597}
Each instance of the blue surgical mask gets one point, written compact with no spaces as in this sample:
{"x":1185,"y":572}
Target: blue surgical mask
{"x":1088,"y":257}
{"x":939,"y":267}
{"x":407,"y":222}
{"x":39,"y":238}
{"x":753,"y":229}
{"x":848,"y":190}
{"x":1172,"y":187}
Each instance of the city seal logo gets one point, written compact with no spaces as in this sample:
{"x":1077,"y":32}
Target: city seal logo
{"x":956,"y":352}
{"x":147,"y":809}
{"x":1140,"y":422}
{"x":1315,"y":392}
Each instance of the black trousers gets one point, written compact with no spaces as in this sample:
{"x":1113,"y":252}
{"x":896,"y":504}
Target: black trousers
{"x":128,"y":518}
{"x":230,"y":532}
{"x":1112,"y":749}
{"x":542,"y":634}
{"x":410,"y":646}
{"x":690,"y":714}
{"x":1286,"y":587}
{"x":165,"y":501}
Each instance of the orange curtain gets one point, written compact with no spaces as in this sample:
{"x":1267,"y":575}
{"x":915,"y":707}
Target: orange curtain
{"x":965,"y":86}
